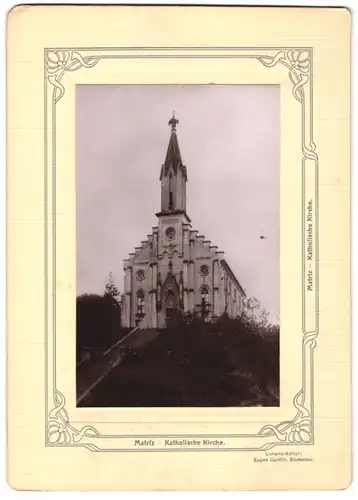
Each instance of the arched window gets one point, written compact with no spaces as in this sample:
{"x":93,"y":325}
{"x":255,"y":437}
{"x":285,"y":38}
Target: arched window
{"x":170,"y":191}
{"x":205,"y":294}
{"x":140,"y":302}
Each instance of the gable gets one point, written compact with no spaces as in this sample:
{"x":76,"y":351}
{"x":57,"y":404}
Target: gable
{"x":143,"y":255}
{"x":202,"y":249}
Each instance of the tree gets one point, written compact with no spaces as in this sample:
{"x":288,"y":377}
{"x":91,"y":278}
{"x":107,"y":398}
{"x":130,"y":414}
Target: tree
{"x":251,"y":306}
{"x":91,"y":323}
{"x":111,"y":290}
{"x":99,"y":319}
{"x":253,"y":311}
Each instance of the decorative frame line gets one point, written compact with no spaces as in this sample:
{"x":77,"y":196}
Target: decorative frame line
{"x":299,"y":62}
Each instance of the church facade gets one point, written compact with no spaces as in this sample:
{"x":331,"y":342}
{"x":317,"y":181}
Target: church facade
{"x":175,"y":270}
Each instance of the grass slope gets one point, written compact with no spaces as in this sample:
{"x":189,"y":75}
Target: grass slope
{"x":228,"y":363}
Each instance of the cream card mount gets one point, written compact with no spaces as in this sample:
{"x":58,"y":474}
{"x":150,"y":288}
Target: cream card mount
{"x":280,"y":445}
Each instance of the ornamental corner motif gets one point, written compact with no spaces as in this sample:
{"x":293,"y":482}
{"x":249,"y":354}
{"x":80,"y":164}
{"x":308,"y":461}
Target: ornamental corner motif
{"x":298,"y":62}
{"x":59,"y":429}
{"x":299,"y":65}
{"x":299,"y":430}
{"x":59,"y":62}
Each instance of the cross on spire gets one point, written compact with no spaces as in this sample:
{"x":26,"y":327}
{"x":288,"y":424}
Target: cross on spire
{"x":173,"y":122}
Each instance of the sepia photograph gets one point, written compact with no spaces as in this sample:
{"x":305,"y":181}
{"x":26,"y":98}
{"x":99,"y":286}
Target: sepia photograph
{"x":178,"y":242}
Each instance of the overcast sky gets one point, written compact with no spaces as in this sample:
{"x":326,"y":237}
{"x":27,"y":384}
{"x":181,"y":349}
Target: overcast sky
{"x":229,"y":141}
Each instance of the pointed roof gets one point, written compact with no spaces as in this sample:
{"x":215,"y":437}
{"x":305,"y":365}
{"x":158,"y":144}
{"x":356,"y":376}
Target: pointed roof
{"x":173,"y":156}
{"x":173,"y":152}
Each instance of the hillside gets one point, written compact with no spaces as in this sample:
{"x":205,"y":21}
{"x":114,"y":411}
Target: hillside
{"x":228,"y":363}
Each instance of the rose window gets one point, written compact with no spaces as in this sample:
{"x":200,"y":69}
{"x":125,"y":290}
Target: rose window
{"x":140,"y":274}
{"x":170,"y":233}
{"x":204,"y":270}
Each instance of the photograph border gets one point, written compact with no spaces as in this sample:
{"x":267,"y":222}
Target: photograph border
{"x":298,"y":430}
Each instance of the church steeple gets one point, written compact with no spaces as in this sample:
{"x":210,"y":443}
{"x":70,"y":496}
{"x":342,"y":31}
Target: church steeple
{"x":173,"y":156}
{"x":173,"y":175}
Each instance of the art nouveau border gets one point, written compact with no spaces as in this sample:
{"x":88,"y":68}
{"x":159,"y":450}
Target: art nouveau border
{"x":299,"y":429}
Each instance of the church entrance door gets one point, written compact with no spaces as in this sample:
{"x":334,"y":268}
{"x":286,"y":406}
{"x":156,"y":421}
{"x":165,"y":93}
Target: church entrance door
{"x":171,"y":301}
{"x":170,"y":313}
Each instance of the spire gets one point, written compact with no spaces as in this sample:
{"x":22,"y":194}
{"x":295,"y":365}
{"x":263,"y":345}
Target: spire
{"x":173,"y":176}
{"x":173,"y":156}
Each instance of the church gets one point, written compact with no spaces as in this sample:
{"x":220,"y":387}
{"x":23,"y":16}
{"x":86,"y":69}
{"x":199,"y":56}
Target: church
{"x":175,"y":270}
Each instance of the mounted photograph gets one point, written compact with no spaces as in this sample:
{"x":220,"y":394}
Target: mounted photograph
{"x":178,"y":245}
